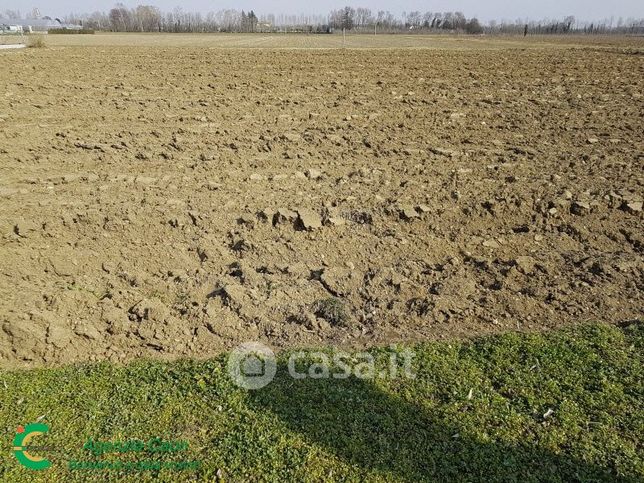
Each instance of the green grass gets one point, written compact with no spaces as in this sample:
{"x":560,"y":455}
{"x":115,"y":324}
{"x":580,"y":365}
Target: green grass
{"x":333,"y":310}
{"x":474,"y":412}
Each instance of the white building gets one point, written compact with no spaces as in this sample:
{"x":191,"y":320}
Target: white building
{"x":11,"y":29}
{"x":42,"y":25}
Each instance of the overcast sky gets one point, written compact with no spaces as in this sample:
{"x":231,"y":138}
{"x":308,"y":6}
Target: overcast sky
{"x":483,"y":9}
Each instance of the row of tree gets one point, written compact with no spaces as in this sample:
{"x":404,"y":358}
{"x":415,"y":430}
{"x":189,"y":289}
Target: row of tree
{"x":363,"y":19}
{"x":146,"y":18}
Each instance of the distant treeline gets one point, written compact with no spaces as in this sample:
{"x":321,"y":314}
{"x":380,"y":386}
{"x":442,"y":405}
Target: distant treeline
{"x":146,"y":18}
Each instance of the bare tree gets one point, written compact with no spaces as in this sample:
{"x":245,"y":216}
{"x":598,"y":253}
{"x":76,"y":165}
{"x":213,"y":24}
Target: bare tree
{"x":148,"y":18}
{"x":364,"y":18}
{"x":12,"y":14}
{"x":348,"y":17}
{"x":120,"y":18}
{"x":473,"y":27}
{"x":414,"y":20}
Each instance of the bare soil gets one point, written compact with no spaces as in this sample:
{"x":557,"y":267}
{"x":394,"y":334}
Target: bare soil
{"x":173,"y":202}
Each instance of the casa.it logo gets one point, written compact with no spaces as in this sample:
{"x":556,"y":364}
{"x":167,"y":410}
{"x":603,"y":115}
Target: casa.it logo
{"x":21,"y":446}
{"x":252,"y":365}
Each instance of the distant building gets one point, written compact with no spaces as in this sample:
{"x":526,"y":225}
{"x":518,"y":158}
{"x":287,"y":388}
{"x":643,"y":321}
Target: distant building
{"x":264,"y":27}
{"x":10,"y":29}
{"x":42,"y":25}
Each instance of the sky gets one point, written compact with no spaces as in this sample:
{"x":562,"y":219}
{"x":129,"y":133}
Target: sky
{"x":483,"y":9}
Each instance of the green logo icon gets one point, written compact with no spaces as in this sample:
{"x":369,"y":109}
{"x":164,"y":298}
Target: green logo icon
{"x":24,"y":435}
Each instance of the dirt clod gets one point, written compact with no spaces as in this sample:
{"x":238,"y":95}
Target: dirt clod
{"x":580,"y":208}
{"x":408,"y":212}
{"x":309,"y":219}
